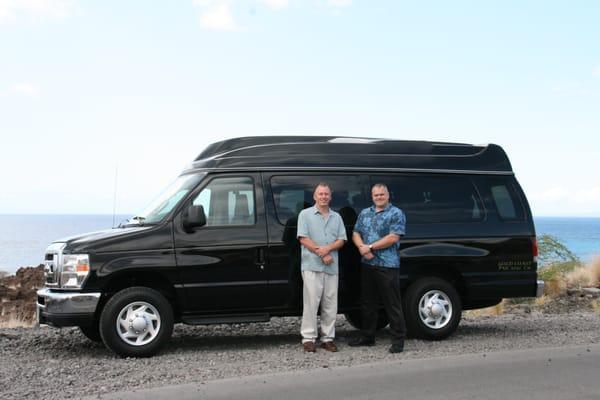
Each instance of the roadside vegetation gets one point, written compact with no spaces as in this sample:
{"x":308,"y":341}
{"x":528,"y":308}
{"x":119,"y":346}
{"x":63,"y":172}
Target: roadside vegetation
{"x":570,"y":284}
{"x":563,"y":271}
{"x":16,"y":322}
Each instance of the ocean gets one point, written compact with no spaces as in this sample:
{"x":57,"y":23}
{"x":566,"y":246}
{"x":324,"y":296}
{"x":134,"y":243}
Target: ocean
{"x":580,"y":235}
{"x":24,"y":238}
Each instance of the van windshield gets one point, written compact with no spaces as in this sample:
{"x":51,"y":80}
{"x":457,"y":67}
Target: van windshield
{"x":166,"y":201}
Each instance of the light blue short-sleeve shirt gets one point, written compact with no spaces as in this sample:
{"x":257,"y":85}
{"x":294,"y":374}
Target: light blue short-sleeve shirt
{"x":322,"y":231}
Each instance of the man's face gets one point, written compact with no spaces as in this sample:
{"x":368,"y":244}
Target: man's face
{"x":322,"y":196}
{"x":380,"y":196}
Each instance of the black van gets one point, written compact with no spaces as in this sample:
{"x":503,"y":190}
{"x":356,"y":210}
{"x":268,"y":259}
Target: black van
{"x":219,"y":245}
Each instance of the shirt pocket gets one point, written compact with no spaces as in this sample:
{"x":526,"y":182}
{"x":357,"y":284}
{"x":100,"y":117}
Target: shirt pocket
{"x":331,"y":233}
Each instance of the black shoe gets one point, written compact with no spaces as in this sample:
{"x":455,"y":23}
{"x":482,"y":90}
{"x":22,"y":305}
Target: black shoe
{"x":363,"y":341}
{"x":397,"y":347}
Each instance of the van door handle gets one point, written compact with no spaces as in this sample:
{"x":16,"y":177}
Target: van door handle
{"x":260,"y":258}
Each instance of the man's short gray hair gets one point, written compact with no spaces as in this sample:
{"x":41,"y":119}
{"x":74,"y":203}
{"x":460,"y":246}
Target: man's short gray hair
{"x":322,"y":184}
{"x":380,"y":185}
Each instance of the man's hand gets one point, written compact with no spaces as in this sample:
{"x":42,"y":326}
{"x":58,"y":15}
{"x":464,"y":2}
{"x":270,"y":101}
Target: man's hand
{"x":364,"y":249}
{"x":322,"y":251}
{"x":369,"y":256}
{"x":328,"y":259}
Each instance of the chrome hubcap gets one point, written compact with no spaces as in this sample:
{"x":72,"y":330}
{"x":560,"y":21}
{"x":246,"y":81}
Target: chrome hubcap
{"x":138,"y":323}
{"x":435,"y":309}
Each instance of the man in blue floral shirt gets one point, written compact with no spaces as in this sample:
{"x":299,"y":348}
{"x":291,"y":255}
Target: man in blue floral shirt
{"x":377,"y":235}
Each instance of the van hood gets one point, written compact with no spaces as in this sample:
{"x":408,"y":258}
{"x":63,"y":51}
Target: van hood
{"x":96,"y":241}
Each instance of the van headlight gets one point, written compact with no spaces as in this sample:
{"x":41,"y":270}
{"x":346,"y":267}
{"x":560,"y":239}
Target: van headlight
{"x":75,"y":269}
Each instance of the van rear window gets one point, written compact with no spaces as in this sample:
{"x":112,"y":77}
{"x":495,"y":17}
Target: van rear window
{"x":434,"y":199}
{"x":507,"y":204}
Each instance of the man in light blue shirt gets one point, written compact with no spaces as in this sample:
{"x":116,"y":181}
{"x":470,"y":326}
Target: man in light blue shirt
{"x":321,"y":233}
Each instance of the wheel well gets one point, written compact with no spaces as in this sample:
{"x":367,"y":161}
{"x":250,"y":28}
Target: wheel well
{"x":450,"y":275}
{"x":152,"y":280}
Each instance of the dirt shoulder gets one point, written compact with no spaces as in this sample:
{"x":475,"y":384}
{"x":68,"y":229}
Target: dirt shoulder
{"x":52,"y":363}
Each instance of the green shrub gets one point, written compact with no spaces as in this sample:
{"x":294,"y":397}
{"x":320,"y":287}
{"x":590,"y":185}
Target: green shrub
{"x":552,"y":251}
{"x":557,"y":270}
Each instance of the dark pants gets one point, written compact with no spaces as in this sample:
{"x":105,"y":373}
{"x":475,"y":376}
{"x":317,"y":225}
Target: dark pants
{"x":379,"y":283}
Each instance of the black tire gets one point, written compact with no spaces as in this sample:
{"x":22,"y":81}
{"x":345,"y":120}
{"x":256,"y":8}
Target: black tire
{"x":446,"y":316}
{"x":92,"y":332}
{"x":354,"y":318}
{"x":155,"y":322}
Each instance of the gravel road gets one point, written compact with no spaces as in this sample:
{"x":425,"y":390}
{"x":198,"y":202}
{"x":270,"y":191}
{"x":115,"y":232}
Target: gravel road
{"x":48,"y":363}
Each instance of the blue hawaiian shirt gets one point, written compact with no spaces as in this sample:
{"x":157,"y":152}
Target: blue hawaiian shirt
{"x":372,"y":225}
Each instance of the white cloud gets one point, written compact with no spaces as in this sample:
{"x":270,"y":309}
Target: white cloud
{"x":216,"y":15}
{"x":276,"y":4}
{"x":34,"y":10}
{"x":562,"y":200}
{"x":552,"y":194}
{"x":202,"y":3}
{"x":24,"y":89}
{"x":219,"y":15}
{"x":571,"y":90}
{"x":339,"y":3}
{"x":587,"y":196}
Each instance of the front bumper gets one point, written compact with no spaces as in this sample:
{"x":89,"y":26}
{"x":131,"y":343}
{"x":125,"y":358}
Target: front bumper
{"x":540,"y":288}
{"x":66,"y":308}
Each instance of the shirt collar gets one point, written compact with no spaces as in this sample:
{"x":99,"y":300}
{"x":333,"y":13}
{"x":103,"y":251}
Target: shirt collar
{"x":315,"y":210}
{"x":385,"y":209}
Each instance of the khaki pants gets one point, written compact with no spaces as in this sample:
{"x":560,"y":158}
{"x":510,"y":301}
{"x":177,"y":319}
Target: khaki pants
{"x":319,"y":288}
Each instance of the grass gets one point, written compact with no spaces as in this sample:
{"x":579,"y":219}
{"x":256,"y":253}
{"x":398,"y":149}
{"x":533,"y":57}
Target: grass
{"x":498,"y":309}
{"x":14,"y":322}
{"x":569,"y":275}
{"x":587,"y":276}
{"x":596,"y":306}
{"x":555,"y":287}
{"x":557,"y":270}
{"x":542,"y":300}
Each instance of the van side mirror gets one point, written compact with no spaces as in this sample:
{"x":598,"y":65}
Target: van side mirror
{"x":194,"y":217}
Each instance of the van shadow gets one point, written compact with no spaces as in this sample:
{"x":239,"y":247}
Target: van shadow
{"x":199,"y":342}
{"x":205,"y":338}
{"x":514,"y":329}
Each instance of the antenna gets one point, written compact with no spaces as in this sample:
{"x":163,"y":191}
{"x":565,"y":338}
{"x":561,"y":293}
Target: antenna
{"x":115,"y":194}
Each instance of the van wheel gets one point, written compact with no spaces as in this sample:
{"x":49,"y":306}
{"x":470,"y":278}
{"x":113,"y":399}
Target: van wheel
{"x":354,"y":318}
{"x":92,"y":332}
{"x":433,"y":309}
{"x":136,"y":322}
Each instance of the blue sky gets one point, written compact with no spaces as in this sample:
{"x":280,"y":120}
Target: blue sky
{"x":139,"y":88}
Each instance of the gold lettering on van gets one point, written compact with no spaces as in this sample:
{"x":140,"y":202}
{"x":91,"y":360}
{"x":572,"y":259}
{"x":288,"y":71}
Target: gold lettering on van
{"x":515,"y":265}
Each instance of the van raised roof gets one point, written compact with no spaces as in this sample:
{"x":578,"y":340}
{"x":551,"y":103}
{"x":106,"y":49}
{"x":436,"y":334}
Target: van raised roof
{"x":348,"y":153}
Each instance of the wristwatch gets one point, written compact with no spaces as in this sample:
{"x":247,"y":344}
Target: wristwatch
{"x":371,"y":247}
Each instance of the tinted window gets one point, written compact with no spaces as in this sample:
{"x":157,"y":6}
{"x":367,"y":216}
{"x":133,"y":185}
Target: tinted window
{"x":434,"y":199}
{"x":291,"y":194}
{"x":506,"y":201}
{"x":228,"y":201}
